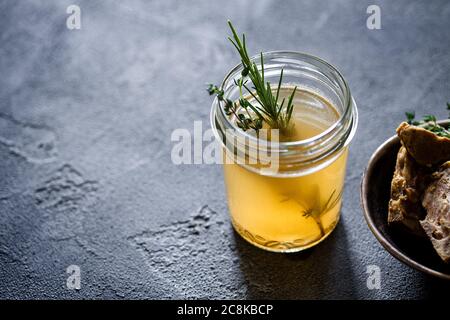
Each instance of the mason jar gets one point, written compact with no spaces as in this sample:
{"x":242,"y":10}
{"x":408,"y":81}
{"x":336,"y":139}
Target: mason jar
{"x":286,"y":195}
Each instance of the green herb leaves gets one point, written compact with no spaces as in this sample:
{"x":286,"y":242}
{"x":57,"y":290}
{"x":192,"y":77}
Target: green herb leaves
{"x":429,"y":123}
{"x":267,"y":109}
{"x":244,"y":121}
{"x":410,"y":117}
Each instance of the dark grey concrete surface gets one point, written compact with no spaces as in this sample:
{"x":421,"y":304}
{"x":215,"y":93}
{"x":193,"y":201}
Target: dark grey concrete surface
{"x":85,"y":123}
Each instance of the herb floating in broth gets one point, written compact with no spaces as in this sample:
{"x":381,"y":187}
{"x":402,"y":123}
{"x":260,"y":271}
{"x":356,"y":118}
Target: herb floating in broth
{"x":429,"y":123}
{"x":269,"y":110}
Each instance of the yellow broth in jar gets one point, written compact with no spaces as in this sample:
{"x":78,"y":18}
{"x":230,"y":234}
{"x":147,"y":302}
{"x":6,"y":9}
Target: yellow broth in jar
{"x":280,"y":213}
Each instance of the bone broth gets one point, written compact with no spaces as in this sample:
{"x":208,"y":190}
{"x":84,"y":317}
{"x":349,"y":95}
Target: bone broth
{"x":282,"y":213}
{"x":284,"y":187}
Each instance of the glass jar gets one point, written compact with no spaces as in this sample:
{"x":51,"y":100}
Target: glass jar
{"x":294,"y":204}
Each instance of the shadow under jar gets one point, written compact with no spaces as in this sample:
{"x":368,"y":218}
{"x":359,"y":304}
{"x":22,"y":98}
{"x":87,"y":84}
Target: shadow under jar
{"x":294,"y":204}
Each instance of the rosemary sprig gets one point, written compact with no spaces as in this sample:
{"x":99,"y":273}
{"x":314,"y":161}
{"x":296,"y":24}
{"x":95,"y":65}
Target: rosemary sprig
{"x":318,"y":210}
{"x":268,"y":108}
{"x":429,"y":123}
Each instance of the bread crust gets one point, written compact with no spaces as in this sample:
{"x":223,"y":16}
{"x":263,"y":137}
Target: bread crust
{"x":420,"y":188}
{"x":436,"y":200}
{"x":407,"y":186}
{"x":424,"y":146}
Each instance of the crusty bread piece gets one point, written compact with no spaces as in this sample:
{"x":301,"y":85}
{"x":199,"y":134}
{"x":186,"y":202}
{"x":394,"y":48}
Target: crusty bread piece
{"x":408,"y":183}
{"x":424,"y":146}
{"x":436,"y":200}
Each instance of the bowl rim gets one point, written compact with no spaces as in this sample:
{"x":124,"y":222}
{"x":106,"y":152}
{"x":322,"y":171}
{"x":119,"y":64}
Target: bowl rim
{"x":372,"y":226}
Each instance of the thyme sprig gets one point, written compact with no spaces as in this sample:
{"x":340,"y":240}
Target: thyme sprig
{"x":244,"y":121}
{"x":268,"y":108}
{"x":429,"y":122}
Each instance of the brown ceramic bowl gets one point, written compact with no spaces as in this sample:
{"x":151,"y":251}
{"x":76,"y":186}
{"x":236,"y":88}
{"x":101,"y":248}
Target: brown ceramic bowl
{"x":414,"y":251}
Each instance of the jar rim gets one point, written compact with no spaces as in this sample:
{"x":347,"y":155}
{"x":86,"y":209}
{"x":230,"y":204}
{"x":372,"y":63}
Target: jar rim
{"x":348,"y":101}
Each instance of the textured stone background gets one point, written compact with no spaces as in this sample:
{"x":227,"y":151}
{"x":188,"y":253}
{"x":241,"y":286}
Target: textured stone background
{"x":85,"y":124}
